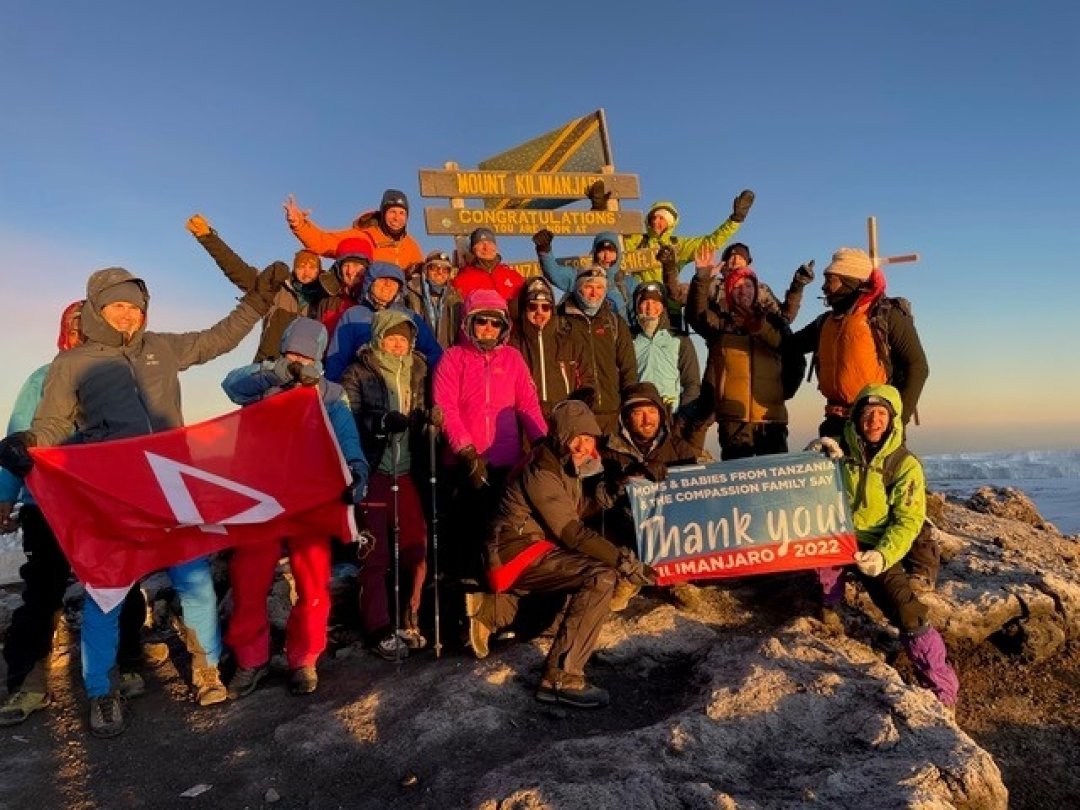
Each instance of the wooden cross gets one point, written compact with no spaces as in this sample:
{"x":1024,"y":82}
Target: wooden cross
{"x":871,"y":228}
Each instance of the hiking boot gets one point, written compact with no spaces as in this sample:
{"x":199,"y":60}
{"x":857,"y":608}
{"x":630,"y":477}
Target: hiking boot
{"x":479,"y":632}
{"x":246,"y":680}
{"x":131,"y":685}
{"x":571,"y":690}
{"x":20,"y":705}
{"x":410,"y":633}
{"x":624,"y":592}
{"x":155,"y":654}
{"x":392,"y":648}
{"x":303,"y":681}
{"x":107,"y":717}
{"x":208,"y":686}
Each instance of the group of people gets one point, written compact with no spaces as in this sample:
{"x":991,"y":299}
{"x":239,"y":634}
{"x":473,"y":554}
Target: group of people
{"x":526,"y":403}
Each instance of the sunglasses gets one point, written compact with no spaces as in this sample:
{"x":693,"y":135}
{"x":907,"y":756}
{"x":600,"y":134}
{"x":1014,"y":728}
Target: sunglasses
{"x":539,"y":307}
{"x":485,"y":320}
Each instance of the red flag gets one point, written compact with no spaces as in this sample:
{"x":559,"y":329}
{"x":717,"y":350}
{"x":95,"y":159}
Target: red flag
{"x":124,"y":508}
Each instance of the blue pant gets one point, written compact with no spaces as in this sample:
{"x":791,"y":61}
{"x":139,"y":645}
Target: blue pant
{"x":101,"y":631}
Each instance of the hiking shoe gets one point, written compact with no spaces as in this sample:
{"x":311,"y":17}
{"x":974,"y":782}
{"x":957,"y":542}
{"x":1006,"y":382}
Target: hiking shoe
{"x":410,"y":634}
{"x":303,"y":681}
{"x":208,"y":686}
{"x":392,"y":648}
{"x":107,"y":717}
{"x":624,"y":592}
{"x":20,"y":705}
{"x":131,"y":685}
{"x":479,"y":633}
{"x":246,"y":680}
{"x":571,"y":690}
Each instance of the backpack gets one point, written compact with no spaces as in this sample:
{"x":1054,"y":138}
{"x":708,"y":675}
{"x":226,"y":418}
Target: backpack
{"x":792,"y":366}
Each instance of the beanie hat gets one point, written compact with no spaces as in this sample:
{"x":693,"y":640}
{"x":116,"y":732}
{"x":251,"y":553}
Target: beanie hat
{"x":438,"y":257}
{"x":850,"y":262}
{"x":665,"y":211}
{"x":403,"y":329}
{"x":602,"y":243}
{"x":393,"y":198}
{"x":130,"y":292}
{"x":537,"y":289}
{"x":355,"y":248}
{"x":736,"y":249}
{"x":592,"y":271}
{"x":481,"y":235}
{"x":70,"y":321}
{"x":649,"y":291}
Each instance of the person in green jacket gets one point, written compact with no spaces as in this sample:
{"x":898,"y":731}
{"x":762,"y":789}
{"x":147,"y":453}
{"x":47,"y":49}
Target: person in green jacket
{"x":886,"y":487}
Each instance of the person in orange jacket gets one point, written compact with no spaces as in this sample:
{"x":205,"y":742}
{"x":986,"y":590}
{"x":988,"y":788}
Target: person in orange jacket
{"x":385,"y":228}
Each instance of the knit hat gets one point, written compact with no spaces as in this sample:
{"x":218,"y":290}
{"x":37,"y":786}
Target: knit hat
{"x":737,"y":249}
{"x":537,"y":289}
{"x":592,"y":271}
{"x":438,"y":257}
{"x":393,"y":198}
{"x":127,"y":291}
{"x":602,"y":243}
{"x":649,"y":291}
{"x":355,"y":248}
{"x":865,"y":402}
{"x":850,"y":262}
{"x":667,"y":212}
{"x":481,"y":235}
{"x":403,"y":329}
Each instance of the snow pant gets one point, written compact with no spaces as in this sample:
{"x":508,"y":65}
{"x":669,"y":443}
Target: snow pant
{"x":892,"y":593}
{"x":412,"y":549}
{"x":45,"y":576}
{"x":100,"y":631}
{"x":251,"y":574}
{"x":590,"y":584}
{"x":746,"y":439}
{"x":469,"y":519}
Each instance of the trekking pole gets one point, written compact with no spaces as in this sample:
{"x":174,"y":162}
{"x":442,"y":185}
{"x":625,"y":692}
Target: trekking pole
{"x":433,"y":440}
{"x":397,"y":543}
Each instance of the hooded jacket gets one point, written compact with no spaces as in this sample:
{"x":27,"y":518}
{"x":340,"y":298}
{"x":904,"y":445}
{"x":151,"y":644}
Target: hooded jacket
{"x":556,"y":358}
{"x":667,"y":447}
{"x":666,"y":359}
{"x":610,"y":358}
{"x":685,"y":246}
{"x":743,"y":370}
{"x":442,"y":313}
{"x":258,"y":381}
{"x":354,"y":329}
{"x":885,"y":520}
{"x":109,"y":388}
{"x":402,"y":251}
{"x":620,"y":288}
{"x":545,"y":503}
{"x":286,"y":306}
{"x":367,"y":385}
{"x":488,"y":397}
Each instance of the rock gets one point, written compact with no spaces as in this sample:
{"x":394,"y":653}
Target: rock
{"x":1007,"y":502}
{"x":271,"y":796}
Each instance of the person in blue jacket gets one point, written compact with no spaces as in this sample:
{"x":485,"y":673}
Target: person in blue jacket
{"x":606,"y":253}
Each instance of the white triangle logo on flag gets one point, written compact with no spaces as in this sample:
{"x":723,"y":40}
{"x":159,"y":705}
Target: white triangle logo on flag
{"x":168,"y":473}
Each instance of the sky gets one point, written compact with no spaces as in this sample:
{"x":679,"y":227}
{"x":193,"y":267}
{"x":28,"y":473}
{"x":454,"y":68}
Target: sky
{"x":956,"y":124}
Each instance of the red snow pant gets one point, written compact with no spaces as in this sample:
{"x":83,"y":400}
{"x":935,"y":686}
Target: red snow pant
{"x":379,"y":509}
{"x":251,"y":572}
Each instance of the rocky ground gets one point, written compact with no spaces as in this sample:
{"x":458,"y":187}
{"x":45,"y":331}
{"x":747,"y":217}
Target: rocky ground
{"x":728,"y":696}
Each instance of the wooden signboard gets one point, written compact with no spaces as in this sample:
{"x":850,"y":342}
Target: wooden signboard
{"x":528,"y":221}
{"x":633,"y":261}
{"x":537,"y":185}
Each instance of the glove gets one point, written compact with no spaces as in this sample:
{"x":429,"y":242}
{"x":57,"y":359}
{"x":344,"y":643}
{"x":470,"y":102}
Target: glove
{"x":597,"y":196}
{"x":395,"y":422}
{"x":198,"y":226}
{"x":741,"y":206}
{"x":827,"y":446}
{"x":542,"y":239}
{"x":306,"y":374}
{"x":475,"y":467}
{"x":633,"y":570}
{"x":15,"y":454}
{"x":804,"y":275}
{"x":666,"y":254}
{"x":357,"y":488}
{"x":436,"y":418}
{"x":871,"y":563}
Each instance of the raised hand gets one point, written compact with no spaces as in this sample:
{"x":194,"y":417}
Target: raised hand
{"x":293,"y":213}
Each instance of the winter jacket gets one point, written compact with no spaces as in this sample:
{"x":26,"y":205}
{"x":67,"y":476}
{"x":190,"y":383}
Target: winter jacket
{"x":874,"y":341}
{"x":885,"y":520}
{"x":556,"y":358}
{"x":111,"y":389}
{"x":668,"y":360}
{"x":668,"y":447}
{"x":287,"y":305}
{"x":610,"y":359}
{"x":258,"y":381}
{"x":620,"y":288}
{"x":402,"y":250}
{"x":685,"y":246}
{"x":354,"y":328}
{"x":368,"y":391}
{"x":742,"y":373}
{"x":442,"y":313}
{"x":544,"y":505}
{"x":502,"y":278}
{"x":487,"y":397}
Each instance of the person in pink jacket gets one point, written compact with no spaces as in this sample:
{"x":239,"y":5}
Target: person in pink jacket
{"x":488,"y":399}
